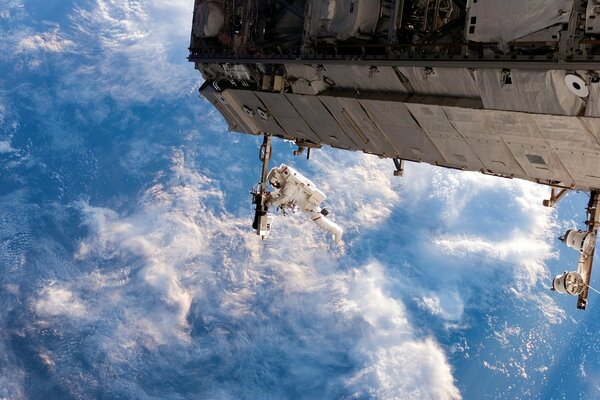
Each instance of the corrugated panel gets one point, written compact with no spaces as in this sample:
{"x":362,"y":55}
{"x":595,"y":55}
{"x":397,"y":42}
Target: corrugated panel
{"x":453,"y":147}
{"x":566,"y":133}
{"x":535,"y":147}
{"x":229,"y":99}
{"x":513,"y":125}
{"x":287,"y":116}
{"x":248,"y":99}
{"x":583,"y":166}
{"x":593,"y":127}
{"x":234,"y":122}
{"x":320,"y":120}
{"x":538,"y":160}
{"x":495,"y":156}
{"x":482,"y":137}
{"x":357,"y":125}
{"x":406,"y":137}
{"x":550,"y":34}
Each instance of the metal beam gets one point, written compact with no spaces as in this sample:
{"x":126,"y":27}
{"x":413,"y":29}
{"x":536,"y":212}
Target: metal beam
{"x":555,"y":196}
{"x":593,"y":223}
{"x":524,"y":62}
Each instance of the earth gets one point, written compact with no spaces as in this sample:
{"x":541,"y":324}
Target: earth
{"x":129,"y":269}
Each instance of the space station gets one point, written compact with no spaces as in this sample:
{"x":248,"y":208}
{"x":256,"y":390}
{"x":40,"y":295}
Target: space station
{"x":507,"y":88}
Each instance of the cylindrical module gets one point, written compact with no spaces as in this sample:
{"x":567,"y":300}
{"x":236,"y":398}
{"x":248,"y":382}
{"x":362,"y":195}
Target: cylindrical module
{"x":582,"y":241}
{"x":568,"y":283}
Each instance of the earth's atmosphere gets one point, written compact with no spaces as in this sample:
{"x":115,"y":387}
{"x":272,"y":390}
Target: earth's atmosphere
{"x":128,"y":267}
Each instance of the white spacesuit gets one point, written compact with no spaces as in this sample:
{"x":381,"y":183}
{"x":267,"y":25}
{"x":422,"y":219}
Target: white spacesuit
{"x":296,"y":192}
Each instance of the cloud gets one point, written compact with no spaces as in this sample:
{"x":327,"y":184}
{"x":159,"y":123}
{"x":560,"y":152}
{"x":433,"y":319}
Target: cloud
{"x":2,"y":109}
{"x":519,"y":242}
{"x":12,"y":9}
{"x":453,"y":240}
{"x":51,"y":42}
{"x":398,"y":366}
{"x":455,"y":246}
{"x":446,"y":305}
{"x":180,"y":272}
{"x":13,"y":376}
{"x":5,"y":147}
{"x":503,"y":336}
{"x":485,"y":226}
{"x":360,"y":187}
{"x":412,"y":370}
{"x":55,"y":300}
{"x":132,"y":50}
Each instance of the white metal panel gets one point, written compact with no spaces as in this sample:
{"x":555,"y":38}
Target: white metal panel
{"x":550,"y":34}
{"x":541,"y":92}
{"x":236,"y":106}
{"x":349,"y":18}
{"x":513,"y":125}
{"x":287,"y":116}
{"x":357,"y":125}
{"x":507,"y":20}
{"x":432,"y":119}
{"x":592,"y":108}
{"x":248,"y":99}
{"x":593,"y":127}
{"x":482,"y":137}
{"x":531,"y":146}
{"x":566,"y":133}
{"x":396,"y":123}
{"x":234,"y":122}
{"x":538,"y":160}
{"x":495,"y":156}
{"x":453,"y":147}
{"x":583,"y":166}
{"x":320,"y":120}
{"x":343,"y":19}
{"x":452,"y":82}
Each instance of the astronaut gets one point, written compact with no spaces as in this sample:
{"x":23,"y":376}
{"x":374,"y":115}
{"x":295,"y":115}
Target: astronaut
{"x":296,"y":192}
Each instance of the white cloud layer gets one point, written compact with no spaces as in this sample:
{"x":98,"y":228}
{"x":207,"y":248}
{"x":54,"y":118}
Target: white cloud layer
{"x":398,"y":366}
{"x":140,"y":47}
{"x":185,"y":263}
{"x":5,"y":147}
{"x":56,"y":301}
{"x":47,"y":41}
{"x":464,"y":228}
{"x":361,"y":186}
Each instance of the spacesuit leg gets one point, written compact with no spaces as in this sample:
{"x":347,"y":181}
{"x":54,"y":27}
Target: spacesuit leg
{"x":325,"y":223}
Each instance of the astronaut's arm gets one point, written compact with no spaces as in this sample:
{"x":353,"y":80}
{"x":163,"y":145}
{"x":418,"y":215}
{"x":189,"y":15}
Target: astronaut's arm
{"x":277,"y":198}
